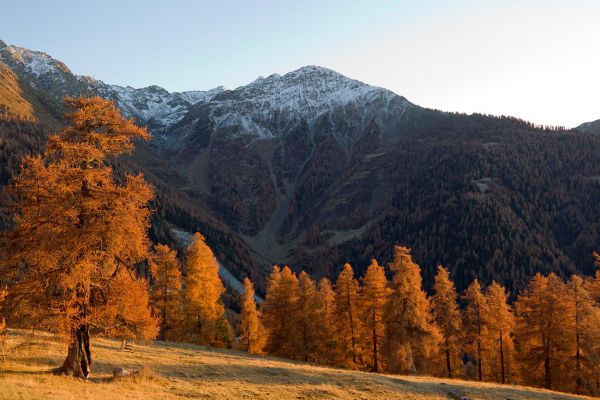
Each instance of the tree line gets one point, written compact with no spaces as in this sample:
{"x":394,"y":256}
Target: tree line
{"x":549,"y":337}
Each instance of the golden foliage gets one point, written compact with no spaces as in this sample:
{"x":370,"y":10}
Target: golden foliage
{"x":78,"y":227}
{"x":448,"y":319}
{"x":499,"y":323}
{"x":373,"y":297}
{"x":166,"y":290}
{"x":474,"y":327}
{"x":280,"y":310}
{"x":411,"y":337}
{"x":348,"y":326}
{"x":252,"y":332}
{"x":202,"y":294}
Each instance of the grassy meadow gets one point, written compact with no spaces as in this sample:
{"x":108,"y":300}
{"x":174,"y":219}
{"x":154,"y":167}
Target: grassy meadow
{"x":174,"y":370}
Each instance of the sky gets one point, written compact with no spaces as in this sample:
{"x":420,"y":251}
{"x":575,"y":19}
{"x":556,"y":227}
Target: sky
{"x":536,"y":60}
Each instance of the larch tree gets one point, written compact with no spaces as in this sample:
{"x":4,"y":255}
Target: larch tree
{"x":474,"y":328}
{"x":328,"y":317}
{"x":78,"y":226}
{"x":411,"y":337}
{"x":348,"y":327}
{"x":252,"y":333}
{"x":373,"y":299}
{"x":166,"y":290}
{"x":280,"y":313}
{"x":584,"y":324}
{"x":542,"y":332}
{"x":448,"y":319}
{"x":499,"y":322}
{"x":309,"y":322}
{"x":202,"y":293}
{"x":131,"y":316}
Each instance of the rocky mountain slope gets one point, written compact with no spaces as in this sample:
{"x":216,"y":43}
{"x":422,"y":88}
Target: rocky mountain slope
{"x":314,"y":169}
{"x":590,"y":127}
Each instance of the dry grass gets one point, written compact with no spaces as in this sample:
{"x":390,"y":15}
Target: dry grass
{"x":185,"y":371}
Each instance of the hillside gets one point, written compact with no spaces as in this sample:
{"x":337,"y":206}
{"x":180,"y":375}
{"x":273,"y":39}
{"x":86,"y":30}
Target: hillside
{"x":188,"y":371}
{"x":314,"y":169}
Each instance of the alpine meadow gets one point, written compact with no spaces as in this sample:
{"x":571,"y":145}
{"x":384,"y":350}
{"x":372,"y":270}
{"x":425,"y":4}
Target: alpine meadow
{"x":302,"y":234}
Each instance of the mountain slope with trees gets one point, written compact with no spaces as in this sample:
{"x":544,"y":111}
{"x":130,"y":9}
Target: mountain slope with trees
{"x":315,"y":169}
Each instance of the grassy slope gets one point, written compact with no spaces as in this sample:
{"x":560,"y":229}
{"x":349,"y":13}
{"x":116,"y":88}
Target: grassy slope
{"x":194,"y":372}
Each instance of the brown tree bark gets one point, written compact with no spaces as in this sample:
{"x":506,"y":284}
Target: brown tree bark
{"x":79,"y":357}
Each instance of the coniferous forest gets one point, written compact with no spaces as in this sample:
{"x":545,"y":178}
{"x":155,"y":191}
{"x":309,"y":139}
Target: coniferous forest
{"x":78,"y":262}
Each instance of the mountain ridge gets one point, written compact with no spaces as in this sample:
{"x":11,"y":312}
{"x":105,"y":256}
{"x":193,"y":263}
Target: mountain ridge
{"x":314,"y":169}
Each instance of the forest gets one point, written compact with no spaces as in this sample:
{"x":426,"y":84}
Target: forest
{"x":78,"y":261}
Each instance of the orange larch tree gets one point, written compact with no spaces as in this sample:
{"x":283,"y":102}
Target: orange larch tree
{"x":448,"y":319}
{"x":166,"y":291}
{"x":77,"y":226}
{"x":280,"y":313}
{"x":252,"y":333}
{"x":411,"y":337}
{"x":542,"y":332}
{"x":202,"y":295}
{"x":499,"y":322}
{"x":309,"y":322}
{"x":373,"y":299}
{"x":348,"y":326}
{"x":327,"y":297}
{"x":473,"y":323}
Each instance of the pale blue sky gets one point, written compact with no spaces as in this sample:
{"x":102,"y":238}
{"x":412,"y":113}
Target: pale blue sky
{"x":537,"y":60}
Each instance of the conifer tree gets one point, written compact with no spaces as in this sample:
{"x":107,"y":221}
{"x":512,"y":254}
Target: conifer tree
{"x":584,"y":324}
{"x":202,"y":294}
{"x":166,"y":291}
{"x":475,"y":330}
{"x":448,"y":319}
{"x":131,"y":317}
{"x":499,"y":323}
{"x":328,"y":317}
{"x":252,"y":333}
{"x":310,"y":319}
{"x":76,"y":226}
{"x":411,"y":339}
{"x":348,"y":327}
{"x":280,"y":313}
{"x":373,"y":299}
{"x":542,"y":331}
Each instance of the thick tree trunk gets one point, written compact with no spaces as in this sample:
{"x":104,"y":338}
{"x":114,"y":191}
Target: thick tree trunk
{"x":79,"y":358}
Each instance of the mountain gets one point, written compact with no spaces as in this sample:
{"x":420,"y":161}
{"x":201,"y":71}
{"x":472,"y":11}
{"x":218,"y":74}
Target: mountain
{"x":313,"y":169}
{"x":152,"y":106}
{"x":589,"y":127}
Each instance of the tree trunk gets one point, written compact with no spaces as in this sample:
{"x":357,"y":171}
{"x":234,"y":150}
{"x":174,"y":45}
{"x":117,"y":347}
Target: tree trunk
{"x":375,"y":355}
{"x":448,"y":366}
{"x":502,"y":358}
{"x":79,"y":358}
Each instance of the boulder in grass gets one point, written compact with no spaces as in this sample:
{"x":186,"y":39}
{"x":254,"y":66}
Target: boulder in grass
{"x":124,"y":373}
